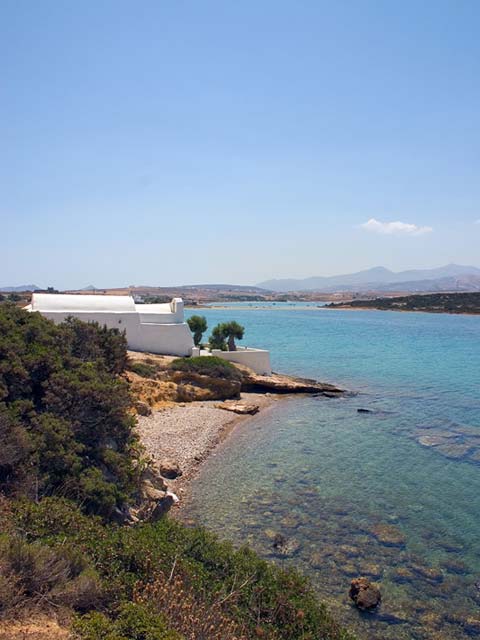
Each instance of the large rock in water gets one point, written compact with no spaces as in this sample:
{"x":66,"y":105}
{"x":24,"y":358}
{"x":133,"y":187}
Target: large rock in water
{"x":365,"y":594}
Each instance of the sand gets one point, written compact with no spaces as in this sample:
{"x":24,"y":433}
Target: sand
{"x":189,"y":432}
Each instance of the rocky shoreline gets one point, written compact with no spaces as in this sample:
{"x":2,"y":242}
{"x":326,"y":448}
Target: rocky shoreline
{"x":183,"y":416}
{"x":187,"y":434}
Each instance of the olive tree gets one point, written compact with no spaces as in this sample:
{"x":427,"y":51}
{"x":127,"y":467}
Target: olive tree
{"x":224,"y":334}
{"x":198,"y":326}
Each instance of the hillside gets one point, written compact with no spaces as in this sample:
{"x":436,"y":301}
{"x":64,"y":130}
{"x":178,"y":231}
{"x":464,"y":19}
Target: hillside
{"x":71,"y":468}
{"x":432,"y":303}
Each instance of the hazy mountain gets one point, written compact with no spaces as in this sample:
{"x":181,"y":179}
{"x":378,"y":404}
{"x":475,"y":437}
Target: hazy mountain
{"x":377,"y":278}
{"x":20,"y":289}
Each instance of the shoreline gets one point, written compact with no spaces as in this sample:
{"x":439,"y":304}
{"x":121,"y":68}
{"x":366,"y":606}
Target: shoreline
{"x":189,"y":433}
{"x":431,"y":312}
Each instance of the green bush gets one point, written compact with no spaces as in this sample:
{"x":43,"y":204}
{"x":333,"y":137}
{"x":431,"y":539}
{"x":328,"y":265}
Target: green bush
{"x":65,"y":424}
{"x":207,"y":366}
{"x":134,"y":622}
{"x":135,"y":564}
{"x":143,"y":369}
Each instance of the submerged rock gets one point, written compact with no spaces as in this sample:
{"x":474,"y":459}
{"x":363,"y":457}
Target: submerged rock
{"x":286,"y":547}
{"x":453,"y":565}
{"x":389,"y":535}
{"x":365,"y":594}
{"x":403,"y":574}
{"x":428,"y":573}
{"x":456,"y":451}
{"x":317,"y":561}
{"x":432,"y":440}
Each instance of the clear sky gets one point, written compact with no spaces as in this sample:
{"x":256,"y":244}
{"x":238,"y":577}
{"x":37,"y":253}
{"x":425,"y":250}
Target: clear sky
{"x":167,"y":142}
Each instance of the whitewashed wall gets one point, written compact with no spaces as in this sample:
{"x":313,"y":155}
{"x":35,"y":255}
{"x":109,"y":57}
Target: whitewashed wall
{"x":169,"y":339}
{"x":256,"y":359}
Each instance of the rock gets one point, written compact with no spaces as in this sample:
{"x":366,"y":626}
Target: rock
{"x":455,"y":451}
{"x":455,"y":566}
{"x":389,"y":535}
{"x":142,"y":408}
{"x":270,"y":534}
{"x":451,"y":546}
{"x":150,"y":492}
{"x":365,"y":594}
{"x":364,"y":411}
{"x":317,"y":561}
{"x":429,"y":573}
{"x":392,"y":615}
{"x":163,"y":506}
{"x":371,"y":570}
{"x":475,"y":455}
{"x":348,"y":550}
{"x":289,"y":522}
{"x":277,"y":383}
{"x":402,"y":574}
{"x":286,"y":547}
{"x":193,"y":386}
{"x":239,"y":407}
{"x":432,"y":441}
{"x":169,"y":469}
{"x":348,"y":568}
{"x":470,"y":623}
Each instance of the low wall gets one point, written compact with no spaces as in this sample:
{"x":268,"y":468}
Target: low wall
{"x":256,"y":359}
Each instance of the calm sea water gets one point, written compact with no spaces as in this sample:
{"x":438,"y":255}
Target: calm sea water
{"x":393,"y":493}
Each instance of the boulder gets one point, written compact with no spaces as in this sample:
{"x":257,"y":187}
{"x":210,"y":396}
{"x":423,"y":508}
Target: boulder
{"x":163,"y":506}
{"x":241,"y":408}
{"x":285,"y":547}
{"x":169,"y":469}
{"x":152,"y":493}
{"x":142,"y":408}
{"x":365,"y":594}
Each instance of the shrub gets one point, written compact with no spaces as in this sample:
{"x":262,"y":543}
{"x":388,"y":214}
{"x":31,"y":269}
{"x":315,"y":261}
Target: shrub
{"x":233,"y":590}
{"x":143,"y":369}
{"x":207,"y":366}
{"x":134,"y":622}
{"x":32,"y":573}
{"x":65,"y":424}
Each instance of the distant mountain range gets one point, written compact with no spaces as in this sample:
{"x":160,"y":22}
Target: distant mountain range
{"x":20,"y":289}
{"x":452,"y":277}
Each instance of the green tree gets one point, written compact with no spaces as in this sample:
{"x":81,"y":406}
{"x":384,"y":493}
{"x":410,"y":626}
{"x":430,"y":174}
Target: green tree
{"x":233,"y":330}
{"x":224,"y":334}
{"x":198,"y":326}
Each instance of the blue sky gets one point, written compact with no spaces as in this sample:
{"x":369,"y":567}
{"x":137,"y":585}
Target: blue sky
{"x":176,"y":142}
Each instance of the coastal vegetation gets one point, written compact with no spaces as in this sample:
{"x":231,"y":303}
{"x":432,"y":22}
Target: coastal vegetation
{"x":71,"y":465}
{"x":211,"y":366}
{"x":198,"y":326}
{"x":224,"y":334}
{"x":432,"y":303}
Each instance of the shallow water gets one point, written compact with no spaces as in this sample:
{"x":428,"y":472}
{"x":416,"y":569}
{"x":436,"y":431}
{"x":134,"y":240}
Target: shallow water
{"x":358,"y":493}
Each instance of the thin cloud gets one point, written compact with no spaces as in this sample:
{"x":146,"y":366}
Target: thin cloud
{"x":394,"y":228}
{"x":477,"y":221}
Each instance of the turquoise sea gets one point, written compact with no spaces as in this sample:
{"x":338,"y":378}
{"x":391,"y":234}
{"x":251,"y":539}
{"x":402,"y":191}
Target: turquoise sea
{"x":393,"y":493}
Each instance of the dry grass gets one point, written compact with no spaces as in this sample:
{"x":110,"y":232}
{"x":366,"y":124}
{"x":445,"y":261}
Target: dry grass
{"x":36,"y":628}
{"x":187,"y":612}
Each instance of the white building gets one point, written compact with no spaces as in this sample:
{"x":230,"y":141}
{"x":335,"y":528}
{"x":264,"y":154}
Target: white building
{"x":156,"y":328}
